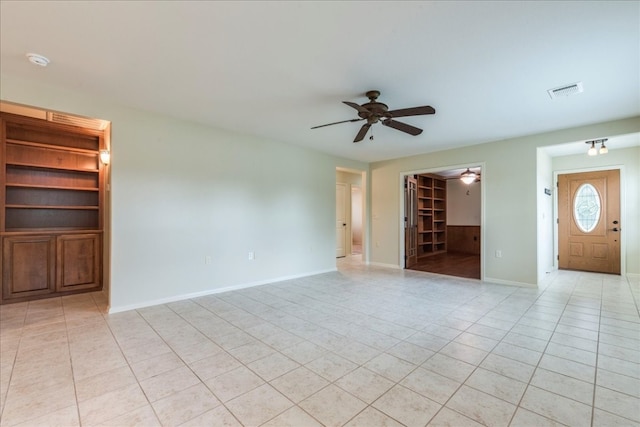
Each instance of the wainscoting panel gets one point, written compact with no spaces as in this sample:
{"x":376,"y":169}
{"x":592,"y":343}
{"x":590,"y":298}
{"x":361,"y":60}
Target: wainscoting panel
{"x":464,"y":239}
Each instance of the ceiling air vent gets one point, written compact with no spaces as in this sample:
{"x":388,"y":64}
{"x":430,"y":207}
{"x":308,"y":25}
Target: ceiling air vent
{"x":82,"y":122}
{"x":566,"y":90}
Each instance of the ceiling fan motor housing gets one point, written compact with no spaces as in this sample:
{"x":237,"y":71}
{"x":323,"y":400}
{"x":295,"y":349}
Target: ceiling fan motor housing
{"x":377,"y":110}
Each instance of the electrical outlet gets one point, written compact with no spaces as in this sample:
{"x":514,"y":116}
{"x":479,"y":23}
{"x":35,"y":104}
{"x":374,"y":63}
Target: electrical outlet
{"x":207,"y":259}
{"x":498,"y":254}
{"x":252,"y":256}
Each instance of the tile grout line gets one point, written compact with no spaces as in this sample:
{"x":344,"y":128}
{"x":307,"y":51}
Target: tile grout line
{"x":73,"y":379}
{"x":576,"y":307}
{"x":279,"y":352}
{"x":222,"y":403}
{"x":131,"y":369}
{"x":595,"y":373}
{"x":367,"y":405}
{"x":15,"y":358}
{"x":490,"y":352}
{"x":542,"y":353}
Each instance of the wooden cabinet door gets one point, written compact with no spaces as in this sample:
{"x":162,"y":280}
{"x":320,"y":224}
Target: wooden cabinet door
{"x":28,"y":266}
{"x":78,"y":264}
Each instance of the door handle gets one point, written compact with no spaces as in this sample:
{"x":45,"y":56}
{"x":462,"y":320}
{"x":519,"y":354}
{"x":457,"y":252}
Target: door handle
{"x":615,"y":229}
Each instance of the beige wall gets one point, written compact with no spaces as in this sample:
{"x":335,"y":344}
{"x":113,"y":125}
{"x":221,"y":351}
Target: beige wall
{"x":510,"y":188}
{"x":628,"y":161}
{"x":463,"y":203}
{"x":181,"y":192}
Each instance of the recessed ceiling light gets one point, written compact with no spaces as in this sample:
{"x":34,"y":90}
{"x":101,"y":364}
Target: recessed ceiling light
{"x":40,"y":60}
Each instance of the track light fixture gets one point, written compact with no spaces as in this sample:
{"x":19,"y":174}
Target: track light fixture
{"x":593,"y":151}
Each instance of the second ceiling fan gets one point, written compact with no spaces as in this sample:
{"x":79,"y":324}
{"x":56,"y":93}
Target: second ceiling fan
{"x":374,"y":112}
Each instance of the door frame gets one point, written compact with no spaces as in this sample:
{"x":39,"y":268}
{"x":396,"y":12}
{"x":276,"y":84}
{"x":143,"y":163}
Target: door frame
{"x":351,"y":217}
{"x":435,"y":170}
{"x":346,"y":201}
{"x":365,"y":192}
{"x":623,"y":212}
{"x":412,"y":234}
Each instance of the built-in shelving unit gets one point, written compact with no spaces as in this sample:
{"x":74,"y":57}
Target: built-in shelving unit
{"x":51,"y":208}
{"x":432,"y":215}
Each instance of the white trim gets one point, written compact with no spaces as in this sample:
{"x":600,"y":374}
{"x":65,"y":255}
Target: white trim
{"x":347,"y":218}
{"x":214,"y":291}
{"x":380,"y":264}
{"x":509,"y":282}
{"x":366,"y":206}
{"x":633,"y":275}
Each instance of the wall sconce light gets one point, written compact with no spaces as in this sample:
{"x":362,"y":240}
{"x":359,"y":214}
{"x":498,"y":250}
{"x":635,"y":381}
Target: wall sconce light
{"x":593,"y":151}
{"x":468,"y":177}
{"x":105,"y":157}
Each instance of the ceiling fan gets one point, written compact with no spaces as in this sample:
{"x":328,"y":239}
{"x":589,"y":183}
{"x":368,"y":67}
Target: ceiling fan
{"x":468,"y":177}
{"x":374,"y":112}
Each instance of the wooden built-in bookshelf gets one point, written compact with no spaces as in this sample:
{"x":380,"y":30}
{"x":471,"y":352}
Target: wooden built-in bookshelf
{"x":432,"y":215}
{"x":51,"y":208}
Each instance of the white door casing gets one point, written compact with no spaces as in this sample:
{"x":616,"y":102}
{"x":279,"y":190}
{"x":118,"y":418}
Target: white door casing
{"x":341,"y":219}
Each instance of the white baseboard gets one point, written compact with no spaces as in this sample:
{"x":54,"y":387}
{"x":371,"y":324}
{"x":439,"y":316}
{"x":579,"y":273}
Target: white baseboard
{"x":212,"y":291}
{"x":380,"y":264}
{"x":509,"y":283}
{"x":633,"y":275}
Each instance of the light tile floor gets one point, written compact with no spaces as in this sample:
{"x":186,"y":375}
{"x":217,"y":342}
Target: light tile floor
{"x":364,"y":346}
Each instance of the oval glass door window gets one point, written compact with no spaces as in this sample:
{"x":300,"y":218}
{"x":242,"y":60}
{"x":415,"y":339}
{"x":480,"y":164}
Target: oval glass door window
{"x":586,"y":207}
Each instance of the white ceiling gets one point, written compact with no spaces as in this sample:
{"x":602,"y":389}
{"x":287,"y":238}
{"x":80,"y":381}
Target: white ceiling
{"x":275,"y":69}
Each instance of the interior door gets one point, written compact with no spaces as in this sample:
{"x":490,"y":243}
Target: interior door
{"x":341,"y":219}
{"x":589,"y":221}
{"x":410,"y":221}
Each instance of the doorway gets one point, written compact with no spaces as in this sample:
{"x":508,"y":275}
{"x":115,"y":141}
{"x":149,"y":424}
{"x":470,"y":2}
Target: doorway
{"x":589,"y":221}
{"x":442,"y":219}
{"x":351,"y":215}
{"x":341,"y":219}
{"x":356,"y":220}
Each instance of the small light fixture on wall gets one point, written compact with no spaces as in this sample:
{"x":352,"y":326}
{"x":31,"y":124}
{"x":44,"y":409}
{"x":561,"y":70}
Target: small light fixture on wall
{"x":468,"y":176}
{"x":593,"y":151}
{"x":105,"y":157}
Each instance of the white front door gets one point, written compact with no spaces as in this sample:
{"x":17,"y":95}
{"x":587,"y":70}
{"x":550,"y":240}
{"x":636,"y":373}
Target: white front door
{"x":341,"y":219}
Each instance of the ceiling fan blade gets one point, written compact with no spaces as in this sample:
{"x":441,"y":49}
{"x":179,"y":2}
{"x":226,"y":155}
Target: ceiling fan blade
{"x":337,"y":123}
{"x":363,"y":131}
{"x":415,"y":111}
{"x":402,"y":127}
{"x":360,"y":108}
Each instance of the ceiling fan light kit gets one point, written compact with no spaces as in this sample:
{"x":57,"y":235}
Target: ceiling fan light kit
{"x":468,"y":176}
{"x":377,"y":112}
